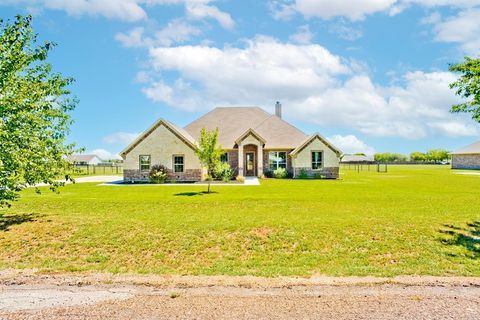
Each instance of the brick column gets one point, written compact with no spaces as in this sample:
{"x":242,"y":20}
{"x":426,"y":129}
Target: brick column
{"x":240,"y":159}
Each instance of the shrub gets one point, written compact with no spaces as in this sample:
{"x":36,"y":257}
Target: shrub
{"x":240,"y":179}
{"x":303,"y":174}
{"x":268,"y":173}
{"x":222,"y":171}
{"x":158,"y":174}
{"x":280,"y":173}
{"x":318,"y":175}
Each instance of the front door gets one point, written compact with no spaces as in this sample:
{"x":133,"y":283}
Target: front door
{"x":250,"y":164}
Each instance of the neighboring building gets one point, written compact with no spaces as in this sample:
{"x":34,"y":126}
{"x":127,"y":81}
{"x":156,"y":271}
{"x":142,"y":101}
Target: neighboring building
{"x":357,"y":158}
{"x":85,"y":159}
{"x":467,"y":158}
{"x":254,"y":141}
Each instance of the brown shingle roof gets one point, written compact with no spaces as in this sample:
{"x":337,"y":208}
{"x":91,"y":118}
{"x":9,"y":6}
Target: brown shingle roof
{"x":232,"y":122}
{"x":473,"y":148}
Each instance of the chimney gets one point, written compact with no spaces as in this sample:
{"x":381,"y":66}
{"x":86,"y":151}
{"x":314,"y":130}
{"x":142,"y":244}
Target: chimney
{"x":278,"y":109}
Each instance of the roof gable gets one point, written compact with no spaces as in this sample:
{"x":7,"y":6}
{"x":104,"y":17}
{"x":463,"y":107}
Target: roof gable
{"x":179,"y":132}
{"x":250,"y":132}
{"x":310,"y":139}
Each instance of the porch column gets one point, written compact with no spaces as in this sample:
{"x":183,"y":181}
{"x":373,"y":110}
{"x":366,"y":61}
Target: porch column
{"x":240,"y":159}
{"x":260,"y":159}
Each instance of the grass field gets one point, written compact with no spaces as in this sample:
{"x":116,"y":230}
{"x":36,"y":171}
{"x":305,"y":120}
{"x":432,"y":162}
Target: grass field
{"x":421,"y":220}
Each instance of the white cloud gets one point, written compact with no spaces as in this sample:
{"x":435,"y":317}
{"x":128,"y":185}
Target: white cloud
{"x":105,"y":154}
{"x":345,"y":32}
{"x":199,"y":10}
{"x":302,"y":36}
{"x":353,"y":10}
{"x":120,"y":138}
{"x":464,"y":29}
{"x":350,"y":144}
{"x":176,"y":31}
{"x":313,"y":84}
{"x":129,"y":10}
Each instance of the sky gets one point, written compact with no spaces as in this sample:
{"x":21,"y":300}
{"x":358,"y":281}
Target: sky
{"x":369,"y":75}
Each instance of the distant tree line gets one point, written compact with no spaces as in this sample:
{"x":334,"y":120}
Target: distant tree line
{"x":431,"y":156}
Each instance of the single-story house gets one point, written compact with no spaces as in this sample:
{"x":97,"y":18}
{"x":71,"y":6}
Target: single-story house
{"x":254,"y":141}
{"x":467,"y":157}
{"x":357,"y":158}
{"x":85,"y":159}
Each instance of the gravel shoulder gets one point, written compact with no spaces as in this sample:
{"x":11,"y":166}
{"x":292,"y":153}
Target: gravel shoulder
{"x":28,"y":294}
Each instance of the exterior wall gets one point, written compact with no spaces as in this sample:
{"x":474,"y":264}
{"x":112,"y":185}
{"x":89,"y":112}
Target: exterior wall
{"x":246,"y":142}
{"x":233,"y":160}
{"x":161,"y":145}
{"x":466,"y":161}
{"x":251,"y":148}
{"x":303,"y":160}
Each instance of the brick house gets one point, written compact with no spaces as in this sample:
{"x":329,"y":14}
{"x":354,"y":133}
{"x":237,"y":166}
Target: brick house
{"x":467,"y":157}
{"x":254,"y":141}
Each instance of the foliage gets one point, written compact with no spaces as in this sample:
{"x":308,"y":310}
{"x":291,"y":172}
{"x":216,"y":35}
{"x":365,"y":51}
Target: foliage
{"x":223,"y":171}
{"x":364,"y":224}
{"x":303,"y":174}
{"x":468,"y":87}
{"x":389,"y":157}
{"x":158,"y":174}
{"x":34,"y":113}
{"x":418,"y":156}
{"x":268,"y":173}
{"x":240,"y":179}
{"x":318,"y":175}
{"x":438,"y":155}
{"x":280,"y":173}
{"x":209,"y":152}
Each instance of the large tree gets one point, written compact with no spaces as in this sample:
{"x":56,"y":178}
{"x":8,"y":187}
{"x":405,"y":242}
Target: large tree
{"x":34,"y":112}
{"x":468,"y":87}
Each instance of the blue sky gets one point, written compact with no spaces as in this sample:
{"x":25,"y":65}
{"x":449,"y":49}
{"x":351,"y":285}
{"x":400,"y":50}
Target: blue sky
{"x":370,"y":75}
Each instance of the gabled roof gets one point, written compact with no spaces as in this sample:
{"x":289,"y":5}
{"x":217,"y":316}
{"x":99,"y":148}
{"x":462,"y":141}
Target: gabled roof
{"x":233,"y":122}
{"x":473,"y":148}
{"x":250,"y":132}
{"x":309,"y":139}
{"x":179,"y":132}
{"x":82,"y":157}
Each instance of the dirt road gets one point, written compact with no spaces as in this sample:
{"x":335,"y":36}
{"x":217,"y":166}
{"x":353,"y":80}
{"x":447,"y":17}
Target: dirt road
{"x":29,"y":295}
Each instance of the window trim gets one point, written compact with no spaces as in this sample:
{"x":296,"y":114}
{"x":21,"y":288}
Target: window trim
{"x":174,"y":164}
{"x":311,"y":160}
{"x":149,"y":162}
{"x":227,"y":156}
{"x":277,"y":162}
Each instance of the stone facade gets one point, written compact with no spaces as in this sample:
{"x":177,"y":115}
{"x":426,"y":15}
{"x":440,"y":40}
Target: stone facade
{"x":233,"y":160}
{"x":188,"y":175}
{"x":466,"y":161}
{"x":266,"y":163}
{"x":324,"y":173}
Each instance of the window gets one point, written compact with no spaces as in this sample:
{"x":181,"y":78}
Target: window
{"x":145,"y":161}
{"x":277,"y":159}
{"x":178,"y":164}
{"x":317,"y":157}
{"x":224,"y":157}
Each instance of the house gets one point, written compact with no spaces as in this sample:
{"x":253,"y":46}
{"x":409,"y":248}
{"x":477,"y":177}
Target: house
{"x":85,"y":159}
{"x":357,"y":158}
{"x":467,"y":157}
{"x":254,"y":141}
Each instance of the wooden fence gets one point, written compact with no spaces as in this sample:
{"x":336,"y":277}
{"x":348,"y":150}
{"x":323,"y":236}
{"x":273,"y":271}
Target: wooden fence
{"x":89,"y":169}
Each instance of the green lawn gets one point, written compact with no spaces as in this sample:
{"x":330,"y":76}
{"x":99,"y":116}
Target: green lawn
{"x":411,"y":220}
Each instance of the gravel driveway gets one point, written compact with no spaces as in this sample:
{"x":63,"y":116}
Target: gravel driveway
{"x":64,"y":296}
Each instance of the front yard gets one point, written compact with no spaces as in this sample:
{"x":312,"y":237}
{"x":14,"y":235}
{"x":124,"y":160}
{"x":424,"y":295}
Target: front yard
{"x":411,"y":220}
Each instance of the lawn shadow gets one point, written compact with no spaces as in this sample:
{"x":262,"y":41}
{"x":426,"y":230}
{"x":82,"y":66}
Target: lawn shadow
{"x":468,"y":237}
{"x":10,"y":220}
{"x":192,"y":194}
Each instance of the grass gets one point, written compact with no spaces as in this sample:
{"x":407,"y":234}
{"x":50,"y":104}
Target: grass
{"x":420,"y":220}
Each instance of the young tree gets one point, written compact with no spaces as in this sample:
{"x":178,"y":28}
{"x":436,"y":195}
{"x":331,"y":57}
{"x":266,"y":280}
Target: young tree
{"x":468,"y":87}
{"x":34,"y":107}
{"x":209,"y":152}
{"x":437,"y":155}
